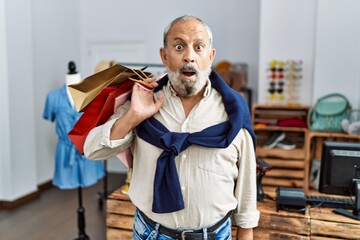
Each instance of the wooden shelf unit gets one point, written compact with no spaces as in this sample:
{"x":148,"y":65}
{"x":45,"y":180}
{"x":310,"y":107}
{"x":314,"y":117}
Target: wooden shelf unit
{"x":289,"y":166}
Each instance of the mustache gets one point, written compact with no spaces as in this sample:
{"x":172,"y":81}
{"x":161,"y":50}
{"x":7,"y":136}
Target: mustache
{"x":189,"y":67}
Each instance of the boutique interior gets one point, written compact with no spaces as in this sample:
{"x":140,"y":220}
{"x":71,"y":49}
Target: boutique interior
{"x":296,"y":64}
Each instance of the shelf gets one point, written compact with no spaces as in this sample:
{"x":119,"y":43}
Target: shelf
{"x":275,"y":128}
{"x":280,"y":153}
{"x":334,"y":135}
{"x":281,"y":107}
{"x":284,"y":163}
{"x":288,"y":166}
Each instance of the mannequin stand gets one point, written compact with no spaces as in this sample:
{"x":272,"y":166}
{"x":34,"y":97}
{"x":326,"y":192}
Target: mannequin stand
{"x":81,"y":218}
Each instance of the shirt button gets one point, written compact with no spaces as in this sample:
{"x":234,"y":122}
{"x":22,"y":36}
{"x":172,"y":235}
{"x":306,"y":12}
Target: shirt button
{"x":184,"y":156}
{"x":182,"y":188}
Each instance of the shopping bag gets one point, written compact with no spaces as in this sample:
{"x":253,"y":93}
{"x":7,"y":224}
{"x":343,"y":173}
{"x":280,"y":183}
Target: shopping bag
{"x":97,"y":112}
{"x":125,"y":156}
{"x":86,"y":90}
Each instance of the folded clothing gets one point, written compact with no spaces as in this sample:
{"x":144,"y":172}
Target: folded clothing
{"x":292,"y":122}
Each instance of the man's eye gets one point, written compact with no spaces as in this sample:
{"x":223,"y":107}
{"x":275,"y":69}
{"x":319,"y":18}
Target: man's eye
{"x":199,"y":47}
{"x":178,"y":47}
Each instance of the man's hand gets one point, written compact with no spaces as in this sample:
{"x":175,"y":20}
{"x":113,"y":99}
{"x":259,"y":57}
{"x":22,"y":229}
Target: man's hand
{"x":244,"y":234}
{"x":143,"y":105}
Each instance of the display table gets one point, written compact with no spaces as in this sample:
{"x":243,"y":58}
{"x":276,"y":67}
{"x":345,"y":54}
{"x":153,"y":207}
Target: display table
{"x":314,"y":224}
{"x":119,"y":216}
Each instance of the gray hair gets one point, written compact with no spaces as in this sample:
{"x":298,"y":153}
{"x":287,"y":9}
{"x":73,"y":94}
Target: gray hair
{"x":185,"y":18}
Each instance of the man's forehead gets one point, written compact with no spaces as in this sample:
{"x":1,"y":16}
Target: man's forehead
{"x":192,"y":28}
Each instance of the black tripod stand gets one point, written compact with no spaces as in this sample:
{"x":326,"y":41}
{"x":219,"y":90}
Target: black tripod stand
{"x":81,"y":218}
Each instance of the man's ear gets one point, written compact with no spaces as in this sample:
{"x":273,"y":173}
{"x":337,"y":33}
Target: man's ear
{"x":163,"y":56}
{"x":212,"y":54}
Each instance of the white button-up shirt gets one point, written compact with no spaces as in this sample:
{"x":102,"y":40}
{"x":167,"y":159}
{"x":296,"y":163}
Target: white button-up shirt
{"x":213,"y":181}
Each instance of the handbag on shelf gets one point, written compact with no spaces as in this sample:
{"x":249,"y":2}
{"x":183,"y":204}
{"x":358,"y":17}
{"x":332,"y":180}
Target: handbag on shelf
{"x":328,"y":113}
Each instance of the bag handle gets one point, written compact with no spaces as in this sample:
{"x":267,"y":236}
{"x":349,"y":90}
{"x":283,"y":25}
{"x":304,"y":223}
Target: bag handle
{"x":333,"y":95}
{"x":309,"y":117}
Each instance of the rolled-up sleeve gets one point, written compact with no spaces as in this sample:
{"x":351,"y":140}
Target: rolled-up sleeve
{"x":98,"y":145}
{"x":246,"y":214}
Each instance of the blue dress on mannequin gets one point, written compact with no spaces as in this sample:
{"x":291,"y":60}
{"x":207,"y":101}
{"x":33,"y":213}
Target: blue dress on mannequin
{"x":72,"y":170}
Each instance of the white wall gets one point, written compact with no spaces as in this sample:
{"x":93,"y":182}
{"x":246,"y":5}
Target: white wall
{"x":38,"y":38}
{"x":18,"y":153}
{"x":337,"y":55}
{"x":56,"y":41}
{"x":5,"y":154}
{"x":324,"y":34}
{"x":234,"y":23}
{"x":287,"y":31}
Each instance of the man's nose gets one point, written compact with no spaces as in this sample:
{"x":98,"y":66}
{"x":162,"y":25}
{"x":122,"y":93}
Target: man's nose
{"x":189,"y":56}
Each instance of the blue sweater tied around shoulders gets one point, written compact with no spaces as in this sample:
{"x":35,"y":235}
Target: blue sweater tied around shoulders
{"x":167,"y":192}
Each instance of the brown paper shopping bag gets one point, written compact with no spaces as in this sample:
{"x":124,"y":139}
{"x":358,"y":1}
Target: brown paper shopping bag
{"x":98,"y":112}
{"x":85,"y":91}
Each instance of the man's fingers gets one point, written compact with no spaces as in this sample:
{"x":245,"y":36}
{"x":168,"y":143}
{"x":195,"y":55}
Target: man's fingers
{"x":142,"y":87}
{"x":152,"y":82}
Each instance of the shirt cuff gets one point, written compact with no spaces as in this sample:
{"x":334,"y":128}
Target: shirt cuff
{"x":105,"y":136}
{"x":247,"y":220}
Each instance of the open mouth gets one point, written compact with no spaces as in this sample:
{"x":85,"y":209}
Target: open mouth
{"x":188,"y":73}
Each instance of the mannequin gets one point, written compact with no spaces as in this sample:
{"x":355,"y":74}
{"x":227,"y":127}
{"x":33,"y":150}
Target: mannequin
{"x":72,"y":77}
{"x":72,"y":170}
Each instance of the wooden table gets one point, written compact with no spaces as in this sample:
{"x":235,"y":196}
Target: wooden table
{"x":314,"y":224}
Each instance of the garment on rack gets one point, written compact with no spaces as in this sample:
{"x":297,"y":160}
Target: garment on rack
{"x":72,"y":169}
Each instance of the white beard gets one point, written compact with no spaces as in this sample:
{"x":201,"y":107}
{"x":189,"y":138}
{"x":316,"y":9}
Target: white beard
{"x":185,"y":87}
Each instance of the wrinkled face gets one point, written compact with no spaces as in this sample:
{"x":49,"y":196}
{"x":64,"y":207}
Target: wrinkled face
{"x":188,"y":57}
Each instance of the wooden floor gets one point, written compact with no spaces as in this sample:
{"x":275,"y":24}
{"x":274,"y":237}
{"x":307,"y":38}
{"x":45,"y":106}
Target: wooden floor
{"x":54,"y":214}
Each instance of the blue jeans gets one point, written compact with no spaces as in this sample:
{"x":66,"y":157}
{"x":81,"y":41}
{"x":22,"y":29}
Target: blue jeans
{"x":143,"y":231}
